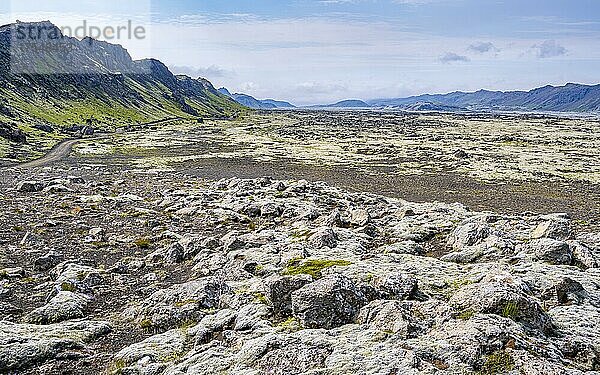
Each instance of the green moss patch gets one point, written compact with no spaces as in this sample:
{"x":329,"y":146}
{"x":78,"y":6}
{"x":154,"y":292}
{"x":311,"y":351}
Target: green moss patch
{"x":499,"y":362}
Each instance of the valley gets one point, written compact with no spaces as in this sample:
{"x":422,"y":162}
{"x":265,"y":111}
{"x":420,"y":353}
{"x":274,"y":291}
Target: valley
{"x":151,"y":224}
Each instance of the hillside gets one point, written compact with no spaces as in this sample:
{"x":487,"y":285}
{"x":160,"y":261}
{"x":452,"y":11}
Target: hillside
{"x":65,"y":81}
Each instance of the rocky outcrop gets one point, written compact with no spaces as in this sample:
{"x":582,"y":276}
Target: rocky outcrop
{"x":166,"y":308}
{"x":23,"y":345}
{"x":12,"y":133}
{"x":290,"y":277}
{"x":328,"y":302}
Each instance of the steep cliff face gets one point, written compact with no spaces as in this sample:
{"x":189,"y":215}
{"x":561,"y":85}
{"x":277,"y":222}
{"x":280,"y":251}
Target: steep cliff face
{"x":48,"y":77}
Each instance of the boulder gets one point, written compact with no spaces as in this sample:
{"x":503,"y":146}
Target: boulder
{"x":557,"y":229}
{"x":12,"y":133}
{"x":583,"y":256}
{"x":12,"y":273}
{"x":328,"y":302}
{"x":26,"y":345}
{"x":30,"y":186}
{"x":503,"y":299}
{"x":395,"y":286}
{"x":323,"y":237}
{"x":468,"y":234}
{"x":565,"y":292}
{"x":48,"y":261}
{"x":152,"y":355}
{"x":551,"y":251}
{"x":360,"y":218}
{"x":280,"y":292}
{"x":44,"y":127}
{"x":180,"y":303}
{"x":293,"y":357}
{"x":395,"y":317}
{"x":65,"y":305}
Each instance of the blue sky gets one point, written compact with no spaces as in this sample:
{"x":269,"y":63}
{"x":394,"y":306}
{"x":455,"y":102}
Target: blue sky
{"x":323,"y":51}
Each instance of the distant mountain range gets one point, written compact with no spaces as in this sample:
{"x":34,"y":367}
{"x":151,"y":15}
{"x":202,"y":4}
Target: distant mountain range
{"x":350,"y":103}
{"x":571,"y":97}
{"x":254,"y":103}
{"x":568,"y":98}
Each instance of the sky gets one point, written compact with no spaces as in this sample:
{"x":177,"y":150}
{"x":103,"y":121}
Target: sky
{"x":322,"y":51}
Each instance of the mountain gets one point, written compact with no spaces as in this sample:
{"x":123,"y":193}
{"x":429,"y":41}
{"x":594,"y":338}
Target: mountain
{"x":254,"y":103}
{"x":430,"y":107}
{"x":63,"y":81}
{"x":568,"y":98}
{"x":350,"y":103}
{"x":277,"y":103}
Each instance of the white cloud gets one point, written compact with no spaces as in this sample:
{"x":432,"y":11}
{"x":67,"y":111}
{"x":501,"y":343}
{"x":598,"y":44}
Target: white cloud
{"x":209,"y":72}
{"x":483,"y":47}
{"x":450,"y":57}
{"x":549,"y":48}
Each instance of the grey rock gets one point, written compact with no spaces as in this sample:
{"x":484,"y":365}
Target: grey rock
{"x":334,"y":219}
{"x":503,"y":299}
{"x":152,"y":355}
{"x":558,"y":229}
{"x":327,"y":303}
{"x":583,"y":256}
{"x":12,"y":273}
{"x":64,"y":306}
{"x":288,"y":358}
{"x":58,"y":188}
{"x":271,"y":209}
{"x":564,"y":292}
{"x":395,"y":317}
{"x":360,"y":218}
{"x":25,"y":345}
{"x":211,"y":325}
{"x":552,"y":251}
{"x":468,"y":234}
{"x":468,"y":255}
{"x":280,"y":292}
{"x":44,"y":127}
{"x":30,"y":186}
{"x":48,"y":261}
{"x":97,"y":234}
{"x":578,"y":322}
{"x":76,"y":277}
{"x":8,"y":310}
{"x":166,"y":308}
{"x":323,"y":237}
{"x":252,"y":316}
{"x":232,"y":241}
{"x":395,"y":286}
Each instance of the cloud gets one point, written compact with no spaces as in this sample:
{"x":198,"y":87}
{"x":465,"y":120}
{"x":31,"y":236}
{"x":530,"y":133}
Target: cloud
{"x":548,"y":48}
{"x":450,"y":57}
{"x":212,"y":71}
{"x":313,"y":87}
{"x":483,"y":47}
{"x":337,"y":1}
{"x":415,"y":2}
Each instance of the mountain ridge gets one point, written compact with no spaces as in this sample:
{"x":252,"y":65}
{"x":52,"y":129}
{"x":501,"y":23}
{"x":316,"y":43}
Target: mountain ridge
{"x":571,"y":97}
{"x":65,"y":81}
{"x":251,"y":102}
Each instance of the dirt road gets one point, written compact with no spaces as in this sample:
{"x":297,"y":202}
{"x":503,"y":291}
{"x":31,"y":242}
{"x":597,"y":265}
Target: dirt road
{"x":61,"y":150}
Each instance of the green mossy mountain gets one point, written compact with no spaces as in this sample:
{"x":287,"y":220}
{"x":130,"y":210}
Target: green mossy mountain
{"x":63,"y":81}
